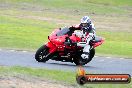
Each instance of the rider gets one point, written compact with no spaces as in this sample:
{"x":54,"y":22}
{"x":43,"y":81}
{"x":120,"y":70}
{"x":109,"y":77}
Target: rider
{"x":87,"y":33}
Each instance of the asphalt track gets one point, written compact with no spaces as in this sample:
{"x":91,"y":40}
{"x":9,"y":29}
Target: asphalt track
{"x":97,"y":65}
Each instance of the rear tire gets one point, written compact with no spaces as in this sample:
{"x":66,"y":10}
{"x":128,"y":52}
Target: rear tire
{"x":91,"y":55}
{"x":41,"y":53}
{"x":80,"y":61}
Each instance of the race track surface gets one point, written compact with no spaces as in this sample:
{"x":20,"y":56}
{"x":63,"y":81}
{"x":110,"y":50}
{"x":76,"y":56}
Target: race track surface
{"x":97,"y":65}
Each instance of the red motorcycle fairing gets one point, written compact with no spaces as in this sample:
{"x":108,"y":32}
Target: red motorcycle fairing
{"x":58,"y":40}
{"x":56,"y":43}
{"x":51,"y":46}
{"x":75,"y":38}
{"x":98,"y":43}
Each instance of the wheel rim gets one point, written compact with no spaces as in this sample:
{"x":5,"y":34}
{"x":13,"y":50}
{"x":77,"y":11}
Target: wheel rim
{"x":43,"y":54}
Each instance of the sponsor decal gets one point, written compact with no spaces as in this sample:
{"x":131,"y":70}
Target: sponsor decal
{"x":83,"y":78}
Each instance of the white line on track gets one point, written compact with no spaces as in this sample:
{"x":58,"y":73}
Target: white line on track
{"x":12,"y":50}
{"x":121,"y":58}
{"x":24,"y":51}
{"x":108,"y":57}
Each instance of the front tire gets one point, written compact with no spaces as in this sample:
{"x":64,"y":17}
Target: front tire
{"x":41,"y":53}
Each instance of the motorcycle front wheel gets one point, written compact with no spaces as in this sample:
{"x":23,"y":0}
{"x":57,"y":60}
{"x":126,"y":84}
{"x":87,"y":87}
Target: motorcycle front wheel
{"x":41,"y":53}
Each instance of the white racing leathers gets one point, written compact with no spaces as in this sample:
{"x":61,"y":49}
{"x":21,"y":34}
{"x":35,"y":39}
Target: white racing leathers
{"x":85,"y":42}
{"x":87,"y":47}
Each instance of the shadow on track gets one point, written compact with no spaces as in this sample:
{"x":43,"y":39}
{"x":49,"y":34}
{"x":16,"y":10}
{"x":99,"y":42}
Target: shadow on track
{"x":69,"y":65}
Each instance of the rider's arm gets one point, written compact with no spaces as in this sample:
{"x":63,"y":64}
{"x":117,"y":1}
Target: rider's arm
{"x":92,"y":32}
{"x":75,"y":27}
{"x":92,"y":27}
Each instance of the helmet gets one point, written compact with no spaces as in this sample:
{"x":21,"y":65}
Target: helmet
{"x":85,"y":22}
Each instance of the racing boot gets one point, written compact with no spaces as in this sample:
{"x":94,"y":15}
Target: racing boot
{"x":86,"y":50}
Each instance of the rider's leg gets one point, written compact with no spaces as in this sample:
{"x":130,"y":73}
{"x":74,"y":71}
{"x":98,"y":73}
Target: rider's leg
{"x":85,"y":53}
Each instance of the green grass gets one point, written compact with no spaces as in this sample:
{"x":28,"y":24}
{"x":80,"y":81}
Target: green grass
{"x":112,"y":2}
{"x":70,"y":6}
{"x":25,"y":24}
{"x":69,"y":2}
{"x":25,"y":33}
{"x":116,"y":43}
{"x":56,"y":75}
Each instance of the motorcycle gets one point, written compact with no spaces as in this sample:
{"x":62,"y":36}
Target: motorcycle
{"x":62,"y":46}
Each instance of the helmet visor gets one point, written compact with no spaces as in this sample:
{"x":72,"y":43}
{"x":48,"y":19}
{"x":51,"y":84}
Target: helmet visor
{"x":84,"y":24}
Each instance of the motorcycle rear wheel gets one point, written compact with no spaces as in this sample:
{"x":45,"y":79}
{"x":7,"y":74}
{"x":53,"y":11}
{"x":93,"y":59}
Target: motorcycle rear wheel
{"x":80,"y":61}
{"x":41,"y":53}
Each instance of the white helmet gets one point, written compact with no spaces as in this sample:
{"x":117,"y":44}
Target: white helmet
{"x":85,"y":23}
{"x":85,"y":19}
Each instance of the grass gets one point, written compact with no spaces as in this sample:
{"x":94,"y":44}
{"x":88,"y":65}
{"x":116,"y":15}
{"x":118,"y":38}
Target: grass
{"x":117,"y":46}
{"x":112,"y":2}
{"x":27,"y":33}
{"x":45,"y":73}
{"x":83,"y":6}
{"x":56,"y":75}
{"x":25,"y":24}
{"x":23,"y":33}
